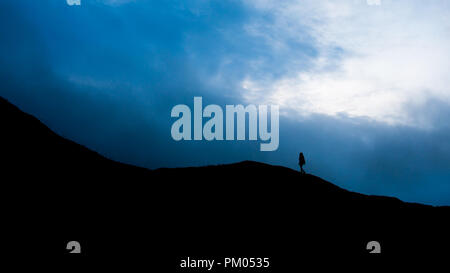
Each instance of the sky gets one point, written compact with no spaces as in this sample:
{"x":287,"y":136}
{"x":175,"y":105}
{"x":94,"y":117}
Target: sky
{"x":363,"y":86}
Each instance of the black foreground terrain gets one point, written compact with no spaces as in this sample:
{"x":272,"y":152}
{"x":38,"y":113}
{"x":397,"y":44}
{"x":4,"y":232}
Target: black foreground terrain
{"x":56,"y":191}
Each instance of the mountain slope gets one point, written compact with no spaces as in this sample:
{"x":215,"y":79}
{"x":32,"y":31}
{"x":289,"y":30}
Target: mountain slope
{"x":60,"y":190}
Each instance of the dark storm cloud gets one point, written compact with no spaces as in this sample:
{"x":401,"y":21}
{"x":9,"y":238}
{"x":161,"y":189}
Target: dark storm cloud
{"x":111,"y":90}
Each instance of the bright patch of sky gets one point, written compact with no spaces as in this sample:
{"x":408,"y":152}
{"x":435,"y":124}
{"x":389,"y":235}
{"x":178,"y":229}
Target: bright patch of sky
{"x":374,"y":60}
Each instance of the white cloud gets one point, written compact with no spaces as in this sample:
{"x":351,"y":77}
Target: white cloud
{"x":391,"y":56}
{"x":374,"y":2}
{"x":73,"y":2}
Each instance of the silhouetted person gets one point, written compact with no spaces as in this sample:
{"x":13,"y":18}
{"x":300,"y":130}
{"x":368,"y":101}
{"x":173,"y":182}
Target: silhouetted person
{"x":301,"y":162}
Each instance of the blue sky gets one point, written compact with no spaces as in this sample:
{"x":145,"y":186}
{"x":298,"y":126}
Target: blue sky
{"x":363,"y":86}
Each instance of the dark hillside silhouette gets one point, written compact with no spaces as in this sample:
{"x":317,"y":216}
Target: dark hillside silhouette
{"x":59,"y":190}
